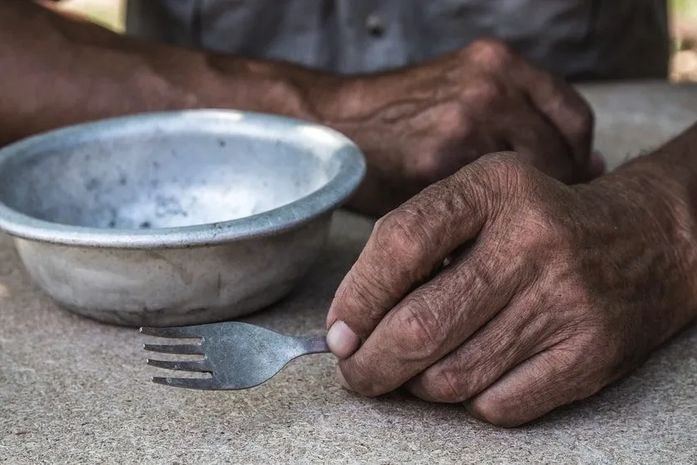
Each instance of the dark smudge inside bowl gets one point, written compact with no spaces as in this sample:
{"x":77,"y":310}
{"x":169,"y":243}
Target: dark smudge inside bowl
{"x":161,"y":179}
{"x":174,"y":218}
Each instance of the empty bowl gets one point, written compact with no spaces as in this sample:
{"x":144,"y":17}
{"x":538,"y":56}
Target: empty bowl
{"x":174,"y":218}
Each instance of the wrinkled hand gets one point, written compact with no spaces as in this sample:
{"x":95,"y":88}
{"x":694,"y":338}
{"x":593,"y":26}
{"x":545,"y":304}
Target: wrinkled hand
{"x":551,"y":291}
{"x":420,"y":124}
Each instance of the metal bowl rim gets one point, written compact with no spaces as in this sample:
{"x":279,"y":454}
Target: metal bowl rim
{"x":334,"y":192}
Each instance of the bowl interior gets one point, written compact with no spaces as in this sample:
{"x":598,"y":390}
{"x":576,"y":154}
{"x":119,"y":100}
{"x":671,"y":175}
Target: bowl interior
{"x":159,"y":173}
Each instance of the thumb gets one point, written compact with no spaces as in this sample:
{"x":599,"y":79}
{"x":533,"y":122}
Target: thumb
{"x":404,"y":249}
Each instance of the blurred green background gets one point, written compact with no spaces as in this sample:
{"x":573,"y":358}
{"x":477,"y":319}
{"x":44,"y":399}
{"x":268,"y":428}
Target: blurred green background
{"x":683,"y":27}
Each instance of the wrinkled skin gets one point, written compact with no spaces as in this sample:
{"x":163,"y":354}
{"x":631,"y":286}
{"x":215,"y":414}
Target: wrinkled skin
{"x":550,"y":292}
{"x":418,"y":125}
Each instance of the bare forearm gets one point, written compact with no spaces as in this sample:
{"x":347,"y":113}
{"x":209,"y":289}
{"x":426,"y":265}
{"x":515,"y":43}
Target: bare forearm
{"x":415,"y":125}
{"x":664,"y":184}
{"x":58,"y":71}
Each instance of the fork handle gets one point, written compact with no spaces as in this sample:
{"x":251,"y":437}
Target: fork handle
{"x":314,"y":344}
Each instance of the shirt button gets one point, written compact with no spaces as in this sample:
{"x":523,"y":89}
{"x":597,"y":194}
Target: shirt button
{"x":375,"y":25}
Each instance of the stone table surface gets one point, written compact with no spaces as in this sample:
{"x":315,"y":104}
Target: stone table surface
{"x":76,"y":391}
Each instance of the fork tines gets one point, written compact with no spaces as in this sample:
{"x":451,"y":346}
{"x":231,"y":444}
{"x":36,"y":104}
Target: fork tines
{"x":201,"y":366}
{"x":172,"y":332}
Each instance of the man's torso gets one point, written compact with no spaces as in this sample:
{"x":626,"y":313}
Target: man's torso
{"x":576,"y":38}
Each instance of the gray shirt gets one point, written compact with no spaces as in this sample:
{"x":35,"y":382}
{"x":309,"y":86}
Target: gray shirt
{"x":581,"y":39}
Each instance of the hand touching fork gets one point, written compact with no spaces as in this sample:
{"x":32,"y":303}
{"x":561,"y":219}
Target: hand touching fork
{"x":237,"y":355}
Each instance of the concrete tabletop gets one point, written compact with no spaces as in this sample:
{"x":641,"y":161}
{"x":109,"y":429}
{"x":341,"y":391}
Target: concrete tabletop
{"x":76,"y":391}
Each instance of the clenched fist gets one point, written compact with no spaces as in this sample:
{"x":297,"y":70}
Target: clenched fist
{"x":420,"y":124}
{"x":507,"y":290}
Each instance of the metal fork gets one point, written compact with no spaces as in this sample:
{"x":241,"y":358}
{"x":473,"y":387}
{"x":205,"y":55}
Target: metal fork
{"x":237,"y":355}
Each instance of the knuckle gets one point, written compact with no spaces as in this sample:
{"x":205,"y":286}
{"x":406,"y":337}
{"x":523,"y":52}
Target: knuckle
{"x":399,"y":235}
{"x":491,"y":52}
{"x":421,"y":328}
{"x":486,"y":182}
{"x":540,"y":228}
{"x":444,"y":385}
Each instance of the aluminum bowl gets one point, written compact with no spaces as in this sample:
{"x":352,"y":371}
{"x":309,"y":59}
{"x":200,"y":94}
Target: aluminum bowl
{"x":174,"y":218}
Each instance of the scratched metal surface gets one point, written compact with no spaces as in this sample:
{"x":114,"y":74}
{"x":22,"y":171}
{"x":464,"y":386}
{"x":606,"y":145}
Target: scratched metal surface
{"x":174,"y":218}
{"x":76,"y":391}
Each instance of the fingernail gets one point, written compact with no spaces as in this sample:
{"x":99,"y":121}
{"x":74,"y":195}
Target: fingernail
{"x":342,"y":341}
{"x":342,"y":380}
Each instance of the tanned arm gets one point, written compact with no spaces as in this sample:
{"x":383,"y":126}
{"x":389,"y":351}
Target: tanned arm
{"x":59,"y":70}
{"x":416,"y":125}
